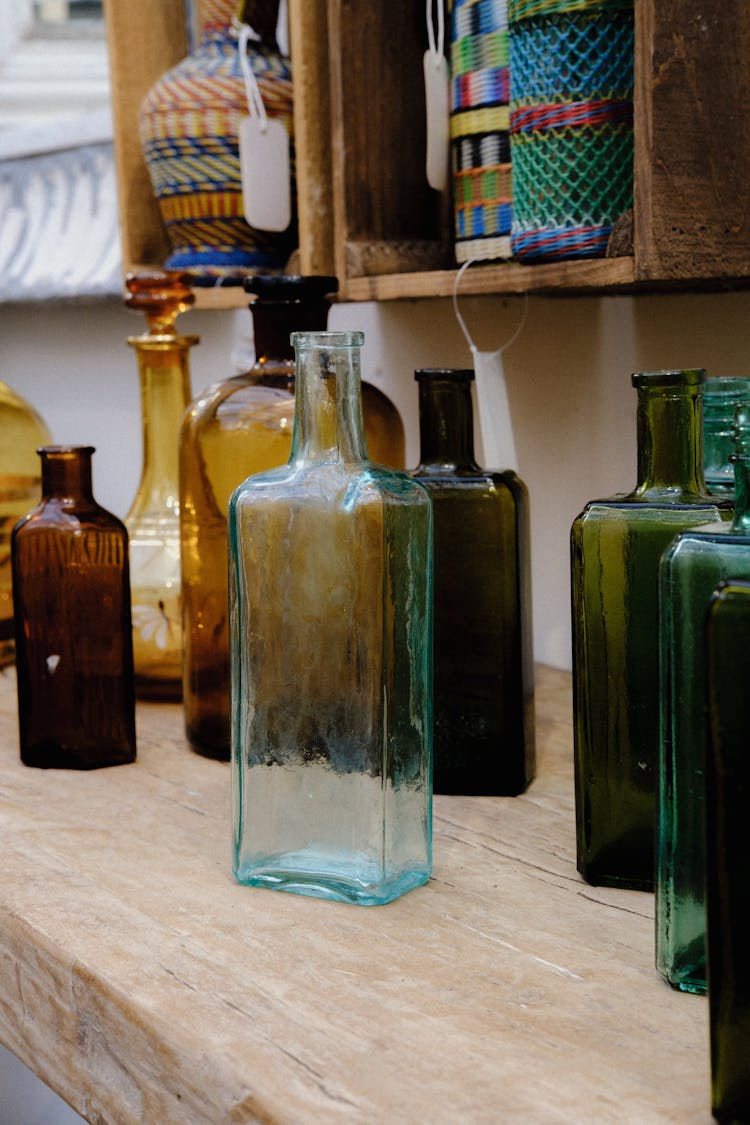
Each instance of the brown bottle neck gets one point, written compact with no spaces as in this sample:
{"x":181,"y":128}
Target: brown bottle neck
{"x":274,"y":322}
{"x":66,"y":473}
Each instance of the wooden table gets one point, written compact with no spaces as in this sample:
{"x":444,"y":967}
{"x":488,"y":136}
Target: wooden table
{"x":144,"y":985}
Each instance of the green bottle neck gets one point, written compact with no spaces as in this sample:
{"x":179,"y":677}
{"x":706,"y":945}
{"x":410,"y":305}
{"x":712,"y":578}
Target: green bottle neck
{"x":328,"y":422}
{"x":670,"y":444}
{"x":446,"y":423}
{"x":741,"y":518}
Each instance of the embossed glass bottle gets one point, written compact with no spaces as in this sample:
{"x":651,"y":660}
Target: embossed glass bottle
{"x":153,"y":521}
{"x":484,"y":670}
{"x":616,"y":545}
{"x":23,"y":432}
{"x":240,"y":426}
{"x":331,"y":635}
{"x":690,"y":570}
{"x":721,"y":397}
{"x":71,"y":594}
{"x":727,"y":853}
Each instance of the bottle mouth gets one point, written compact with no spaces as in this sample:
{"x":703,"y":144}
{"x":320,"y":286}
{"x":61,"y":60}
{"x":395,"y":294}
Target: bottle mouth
{"x":687,"y":377}
{"x":444,"y":374}
{"x":328,"y":340}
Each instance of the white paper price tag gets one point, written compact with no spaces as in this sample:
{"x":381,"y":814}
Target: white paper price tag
{"x":264,"y":167}
{"x":437,"y":90}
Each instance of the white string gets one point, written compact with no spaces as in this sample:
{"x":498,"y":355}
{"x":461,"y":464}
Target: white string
{"x":472,"y":346}
{"x":255,"y":105}
{"x":436,"y":49}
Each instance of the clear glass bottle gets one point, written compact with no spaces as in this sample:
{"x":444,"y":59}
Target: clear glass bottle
{"x":727,"y":854}
{"x":690,"y":570}
{"x":331,"y":635}
{"x":23,"y":432}
{"x":153,"y":521}
{"x":616,"y":545}
{"x":237,"y":427}
{"x":483,"y":661}
{"x":74,"y":651}
{"x":721,"y":398}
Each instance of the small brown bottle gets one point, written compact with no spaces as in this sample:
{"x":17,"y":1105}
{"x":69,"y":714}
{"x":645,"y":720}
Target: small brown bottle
{"x":71,"y":599}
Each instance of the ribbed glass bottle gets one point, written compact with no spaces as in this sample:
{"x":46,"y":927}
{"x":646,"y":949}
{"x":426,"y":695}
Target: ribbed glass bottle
{"x":483,"y":662}
{"x":153,"y":521}
{"x":331,"y":641}
{"x":616,"y":545}
{"x":23,"y":433}
{"x":71,"y":594}
{"x":691,"y":569}
{"x":721,"y":397}
{"x":237,"y":427}
{"x":727,"y":853}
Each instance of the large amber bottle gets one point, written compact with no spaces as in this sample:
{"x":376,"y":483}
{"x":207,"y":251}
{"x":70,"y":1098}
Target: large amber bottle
{"x":237,"y":427}
{"x":23,"y":432}
{"x":153,"y":521}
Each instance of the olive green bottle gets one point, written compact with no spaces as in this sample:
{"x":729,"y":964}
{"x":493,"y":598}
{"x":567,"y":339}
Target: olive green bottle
{"x":616,"y":545}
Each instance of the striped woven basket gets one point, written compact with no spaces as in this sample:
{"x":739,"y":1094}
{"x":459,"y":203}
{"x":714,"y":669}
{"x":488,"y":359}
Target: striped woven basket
{"x":479,"y":123}
{"x":571,"y":124}
{"x":188,"y":129}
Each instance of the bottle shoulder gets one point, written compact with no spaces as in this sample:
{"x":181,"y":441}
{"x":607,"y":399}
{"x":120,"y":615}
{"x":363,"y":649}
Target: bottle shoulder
{"x":330,"y":482}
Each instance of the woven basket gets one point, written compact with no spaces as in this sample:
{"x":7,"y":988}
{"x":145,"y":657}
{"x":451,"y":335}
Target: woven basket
{"x":479,"y":124}
{"x":571,"y":124}
{"x":188,"y":129}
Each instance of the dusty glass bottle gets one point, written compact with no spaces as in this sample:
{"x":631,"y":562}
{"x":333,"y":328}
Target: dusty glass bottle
{"x":616,"y":545}
{"x":236,"y":427}
{"x":71,"y":595}
{"x":690,"y":570}
{"x":23,"y":432}
{"x":153,"y":521}
{"x":331,"y":637}
{"x":483,"y":663}
{"x":727,"y":854}
{"x":721,"y":398}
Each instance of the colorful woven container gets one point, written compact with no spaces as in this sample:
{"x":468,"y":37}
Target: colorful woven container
{"x":188,"y":128}
{"x":479,"y":125}
{"x":571,"y":124}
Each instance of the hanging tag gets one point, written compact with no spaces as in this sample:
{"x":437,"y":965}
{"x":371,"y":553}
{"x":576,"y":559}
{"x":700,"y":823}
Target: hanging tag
{"x":264,"y":166}
{"x":494,"y":428}
{"x":436,"y":92}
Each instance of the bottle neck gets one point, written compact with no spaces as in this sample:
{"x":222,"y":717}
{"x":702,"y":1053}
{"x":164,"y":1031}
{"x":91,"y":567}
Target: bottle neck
{"x":274,"y":322}
{"x":165,"y":395}
{"x":328,"y":398}
{"x":670,"y":444}
{"x":66,"y":473}
{"x":446,"y":423}
{"x":741,"y":518}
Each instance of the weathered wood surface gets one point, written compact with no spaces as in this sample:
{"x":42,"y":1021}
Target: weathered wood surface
{"x":144,"y":985}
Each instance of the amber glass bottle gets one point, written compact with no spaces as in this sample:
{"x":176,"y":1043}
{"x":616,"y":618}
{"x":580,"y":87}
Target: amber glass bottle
{"x":22,"y":432}
{"x":153,"y":521}
{"x":237,"y":427}
{"x":484,"y":670}
{"x":616,"y":545}
{"x":71,"y":597}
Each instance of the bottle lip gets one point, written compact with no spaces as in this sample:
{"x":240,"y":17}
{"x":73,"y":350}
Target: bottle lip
{"x":719,"y":386}
{"x":290,"y":287}
{"x":62,"y":450}
{"x":680,"y":377}
{"x":444,"y":374}
{"x":327,"y":340}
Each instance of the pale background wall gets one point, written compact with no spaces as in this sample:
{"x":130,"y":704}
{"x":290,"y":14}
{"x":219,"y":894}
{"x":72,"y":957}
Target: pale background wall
{"x":568,"y":378}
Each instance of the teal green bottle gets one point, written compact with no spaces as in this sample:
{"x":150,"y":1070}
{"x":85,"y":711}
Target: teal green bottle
{"x":727,"y":851}
{"x":330,"y":593}
{"x":616,"y":545}
{"x":484,"y":667}
{"x":721,"y":398}
{"x":690,"y":570}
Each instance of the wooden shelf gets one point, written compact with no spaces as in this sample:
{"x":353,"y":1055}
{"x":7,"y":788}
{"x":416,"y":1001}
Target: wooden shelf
{"x":144,"y":985}
{"x":365,"y":210}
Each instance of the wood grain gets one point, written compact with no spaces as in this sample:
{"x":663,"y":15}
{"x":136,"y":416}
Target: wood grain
{"x":144,"y":985}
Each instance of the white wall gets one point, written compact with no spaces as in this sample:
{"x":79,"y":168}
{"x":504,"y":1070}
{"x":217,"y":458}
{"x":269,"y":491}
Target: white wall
{"x":568,"y":377}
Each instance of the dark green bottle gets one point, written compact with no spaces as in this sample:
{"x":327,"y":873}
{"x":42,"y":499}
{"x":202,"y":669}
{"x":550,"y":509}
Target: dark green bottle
{"x":483,"y":678}
{"x":721,"y":397}
{"x":616,"y":545}
{"x":727,"y":851}
{"x":690,"y":570}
